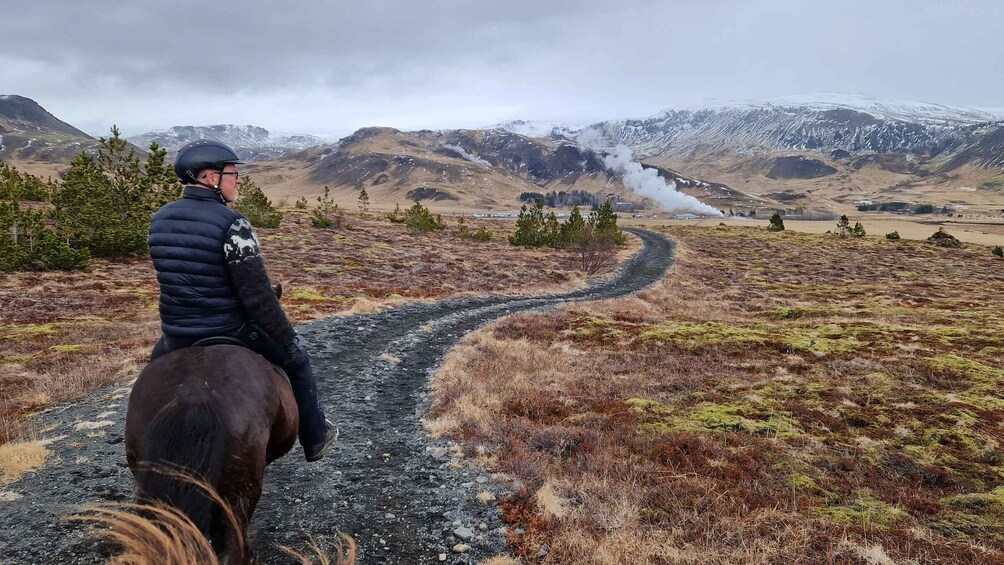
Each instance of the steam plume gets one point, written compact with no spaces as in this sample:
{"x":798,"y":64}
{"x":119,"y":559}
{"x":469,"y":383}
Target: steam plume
{"x":645,"y":182}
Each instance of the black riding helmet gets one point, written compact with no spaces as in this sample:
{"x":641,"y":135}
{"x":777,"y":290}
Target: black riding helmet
{"x":200,"y":155}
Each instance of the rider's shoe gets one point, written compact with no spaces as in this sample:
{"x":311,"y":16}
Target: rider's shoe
{"x":316,"y":452}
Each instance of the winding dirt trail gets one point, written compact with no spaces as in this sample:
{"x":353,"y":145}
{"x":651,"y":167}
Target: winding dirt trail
{"x":399,"y":493}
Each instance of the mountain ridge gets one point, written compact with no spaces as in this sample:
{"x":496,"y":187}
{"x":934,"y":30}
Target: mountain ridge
{"x":252,"y":143}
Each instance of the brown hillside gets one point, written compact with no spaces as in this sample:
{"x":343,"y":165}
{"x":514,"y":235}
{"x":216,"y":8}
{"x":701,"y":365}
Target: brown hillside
{"x":401,"y":167}
{"x":879,"y":178}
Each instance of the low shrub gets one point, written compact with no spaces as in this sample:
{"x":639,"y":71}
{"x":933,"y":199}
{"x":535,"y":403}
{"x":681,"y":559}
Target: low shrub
{"x":419,"y":219}
{"x":776,"y":223}
{"x":942,"y":238}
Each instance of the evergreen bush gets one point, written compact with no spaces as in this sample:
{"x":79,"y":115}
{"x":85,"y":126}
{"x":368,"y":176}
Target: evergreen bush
{"x":326,"y":215}
{"x":419,"y":219}
{"x":256,"y":207}
{"x":397,"y":216}
{"x":942,"y":238}
{"x":844,"y":226}
{"x":529,"y":226}
{"x":776,"y":223}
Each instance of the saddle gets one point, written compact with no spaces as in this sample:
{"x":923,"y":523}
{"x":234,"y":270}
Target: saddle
{"x":228,"y":340}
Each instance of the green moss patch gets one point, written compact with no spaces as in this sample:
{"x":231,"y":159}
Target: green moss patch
{"x":708,"y":333}
{"x":68,"y":348}
{"x":969,"y":369}
{"x":27,"y":330}
{"x":976,"y":514}
{"x":740,"y":416}
{"x":865,"y":511}
{"x":308,"y":295}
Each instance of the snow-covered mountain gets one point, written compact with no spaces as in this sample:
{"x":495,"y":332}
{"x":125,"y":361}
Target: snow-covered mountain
{"x":537,"y":128}
{"x":252,"y":143}
{"x":903,"y":110}
{"x":832,"y":125}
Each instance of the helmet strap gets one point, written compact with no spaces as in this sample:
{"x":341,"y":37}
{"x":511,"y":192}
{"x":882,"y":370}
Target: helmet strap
{"x":215,"y":188}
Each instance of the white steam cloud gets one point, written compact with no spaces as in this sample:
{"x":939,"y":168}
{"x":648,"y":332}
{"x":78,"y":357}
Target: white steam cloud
{"x":645,"y":182}
{"x":469,"y":156}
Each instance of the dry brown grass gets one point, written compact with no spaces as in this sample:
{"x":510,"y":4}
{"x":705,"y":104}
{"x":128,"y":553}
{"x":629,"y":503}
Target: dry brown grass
{"x":64,"y":334}
{"x":158,"y":533}
{"x":20,"y":457}
{"x":782,"y":398}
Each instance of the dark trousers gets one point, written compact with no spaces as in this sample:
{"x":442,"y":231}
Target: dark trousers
{"x":301,"y":378}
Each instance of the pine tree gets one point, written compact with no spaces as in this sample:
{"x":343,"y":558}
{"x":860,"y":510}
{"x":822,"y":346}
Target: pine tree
{"x":843,"y":226}
{"x":326,"y":214}
{"x":551,"y":231}
{"x":105,"y":203}
{"x":572,"y":229}
{"x":160,"y":181}
{"x":364,"y":201}
{"x":256,"y":207}
{"x":27,"y":238}
{"x":776,"y":223}
{"x":529,"y":226}
{"x":604,"y":221}
{"x":419,"y":219}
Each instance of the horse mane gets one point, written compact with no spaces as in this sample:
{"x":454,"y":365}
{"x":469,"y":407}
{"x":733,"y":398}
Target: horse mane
{"x":189,"y":440}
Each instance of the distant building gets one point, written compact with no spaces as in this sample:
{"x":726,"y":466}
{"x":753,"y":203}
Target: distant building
{"x":685,"y":216}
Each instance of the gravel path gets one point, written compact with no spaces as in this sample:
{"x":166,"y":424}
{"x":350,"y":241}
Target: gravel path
{"x":402,"y":495}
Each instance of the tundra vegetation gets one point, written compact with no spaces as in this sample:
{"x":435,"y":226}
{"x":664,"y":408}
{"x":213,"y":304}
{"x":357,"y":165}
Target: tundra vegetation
{"x":780,"y":398}
{"x":63,"y":334}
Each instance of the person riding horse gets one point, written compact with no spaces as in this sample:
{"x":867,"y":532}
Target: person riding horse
{"x":213,"y":280}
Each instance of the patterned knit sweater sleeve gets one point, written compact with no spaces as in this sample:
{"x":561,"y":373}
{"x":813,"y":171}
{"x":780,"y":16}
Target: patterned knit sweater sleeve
{"x":247,"y":272}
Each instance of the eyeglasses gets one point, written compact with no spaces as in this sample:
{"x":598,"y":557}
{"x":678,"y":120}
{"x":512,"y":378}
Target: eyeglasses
{"x":236,"y":174}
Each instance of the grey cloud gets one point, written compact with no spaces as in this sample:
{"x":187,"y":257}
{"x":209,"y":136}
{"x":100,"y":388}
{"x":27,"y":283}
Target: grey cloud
{"x":327,"y":66}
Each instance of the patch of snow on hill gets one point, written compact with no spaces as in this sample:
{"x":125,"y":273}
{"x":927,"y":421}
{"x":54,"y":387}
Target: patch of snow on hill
{"x":537,"y":128}
{"x":248,"y":138}
{"x":927,"y":113}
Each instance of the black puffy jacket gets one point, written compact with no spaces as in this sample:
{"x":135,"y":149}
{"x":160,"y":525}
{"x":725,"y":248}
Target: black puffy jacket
{"x":186,"y":244}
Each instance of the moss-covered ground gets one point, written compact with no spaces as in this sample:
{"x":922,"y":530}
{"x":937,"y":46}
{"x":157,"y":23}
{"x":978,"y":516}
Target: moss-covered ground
{"x":781,"y":398}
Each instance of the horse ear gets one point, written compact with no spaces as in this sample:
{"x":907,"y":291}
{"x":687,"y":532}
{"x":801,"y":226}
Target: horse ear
{"x":278,"y":291}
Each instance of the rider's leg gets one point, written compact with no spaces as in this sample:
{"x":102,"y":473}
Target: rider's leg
{"x":312,"y":423}
{"x":313,"y":428}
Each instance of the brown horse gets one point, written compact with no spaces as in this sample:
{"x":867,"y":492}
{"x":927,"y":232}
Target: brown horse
{"x":220,"y":414}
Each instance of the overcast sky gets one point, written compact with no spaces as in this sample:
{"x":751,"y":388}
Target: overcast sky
{"x":304,"y":67}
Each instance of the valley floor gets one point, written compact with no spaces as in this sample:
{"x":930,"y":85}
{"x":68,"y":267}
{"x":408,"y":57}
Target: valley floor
{"x":988,"y":231}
